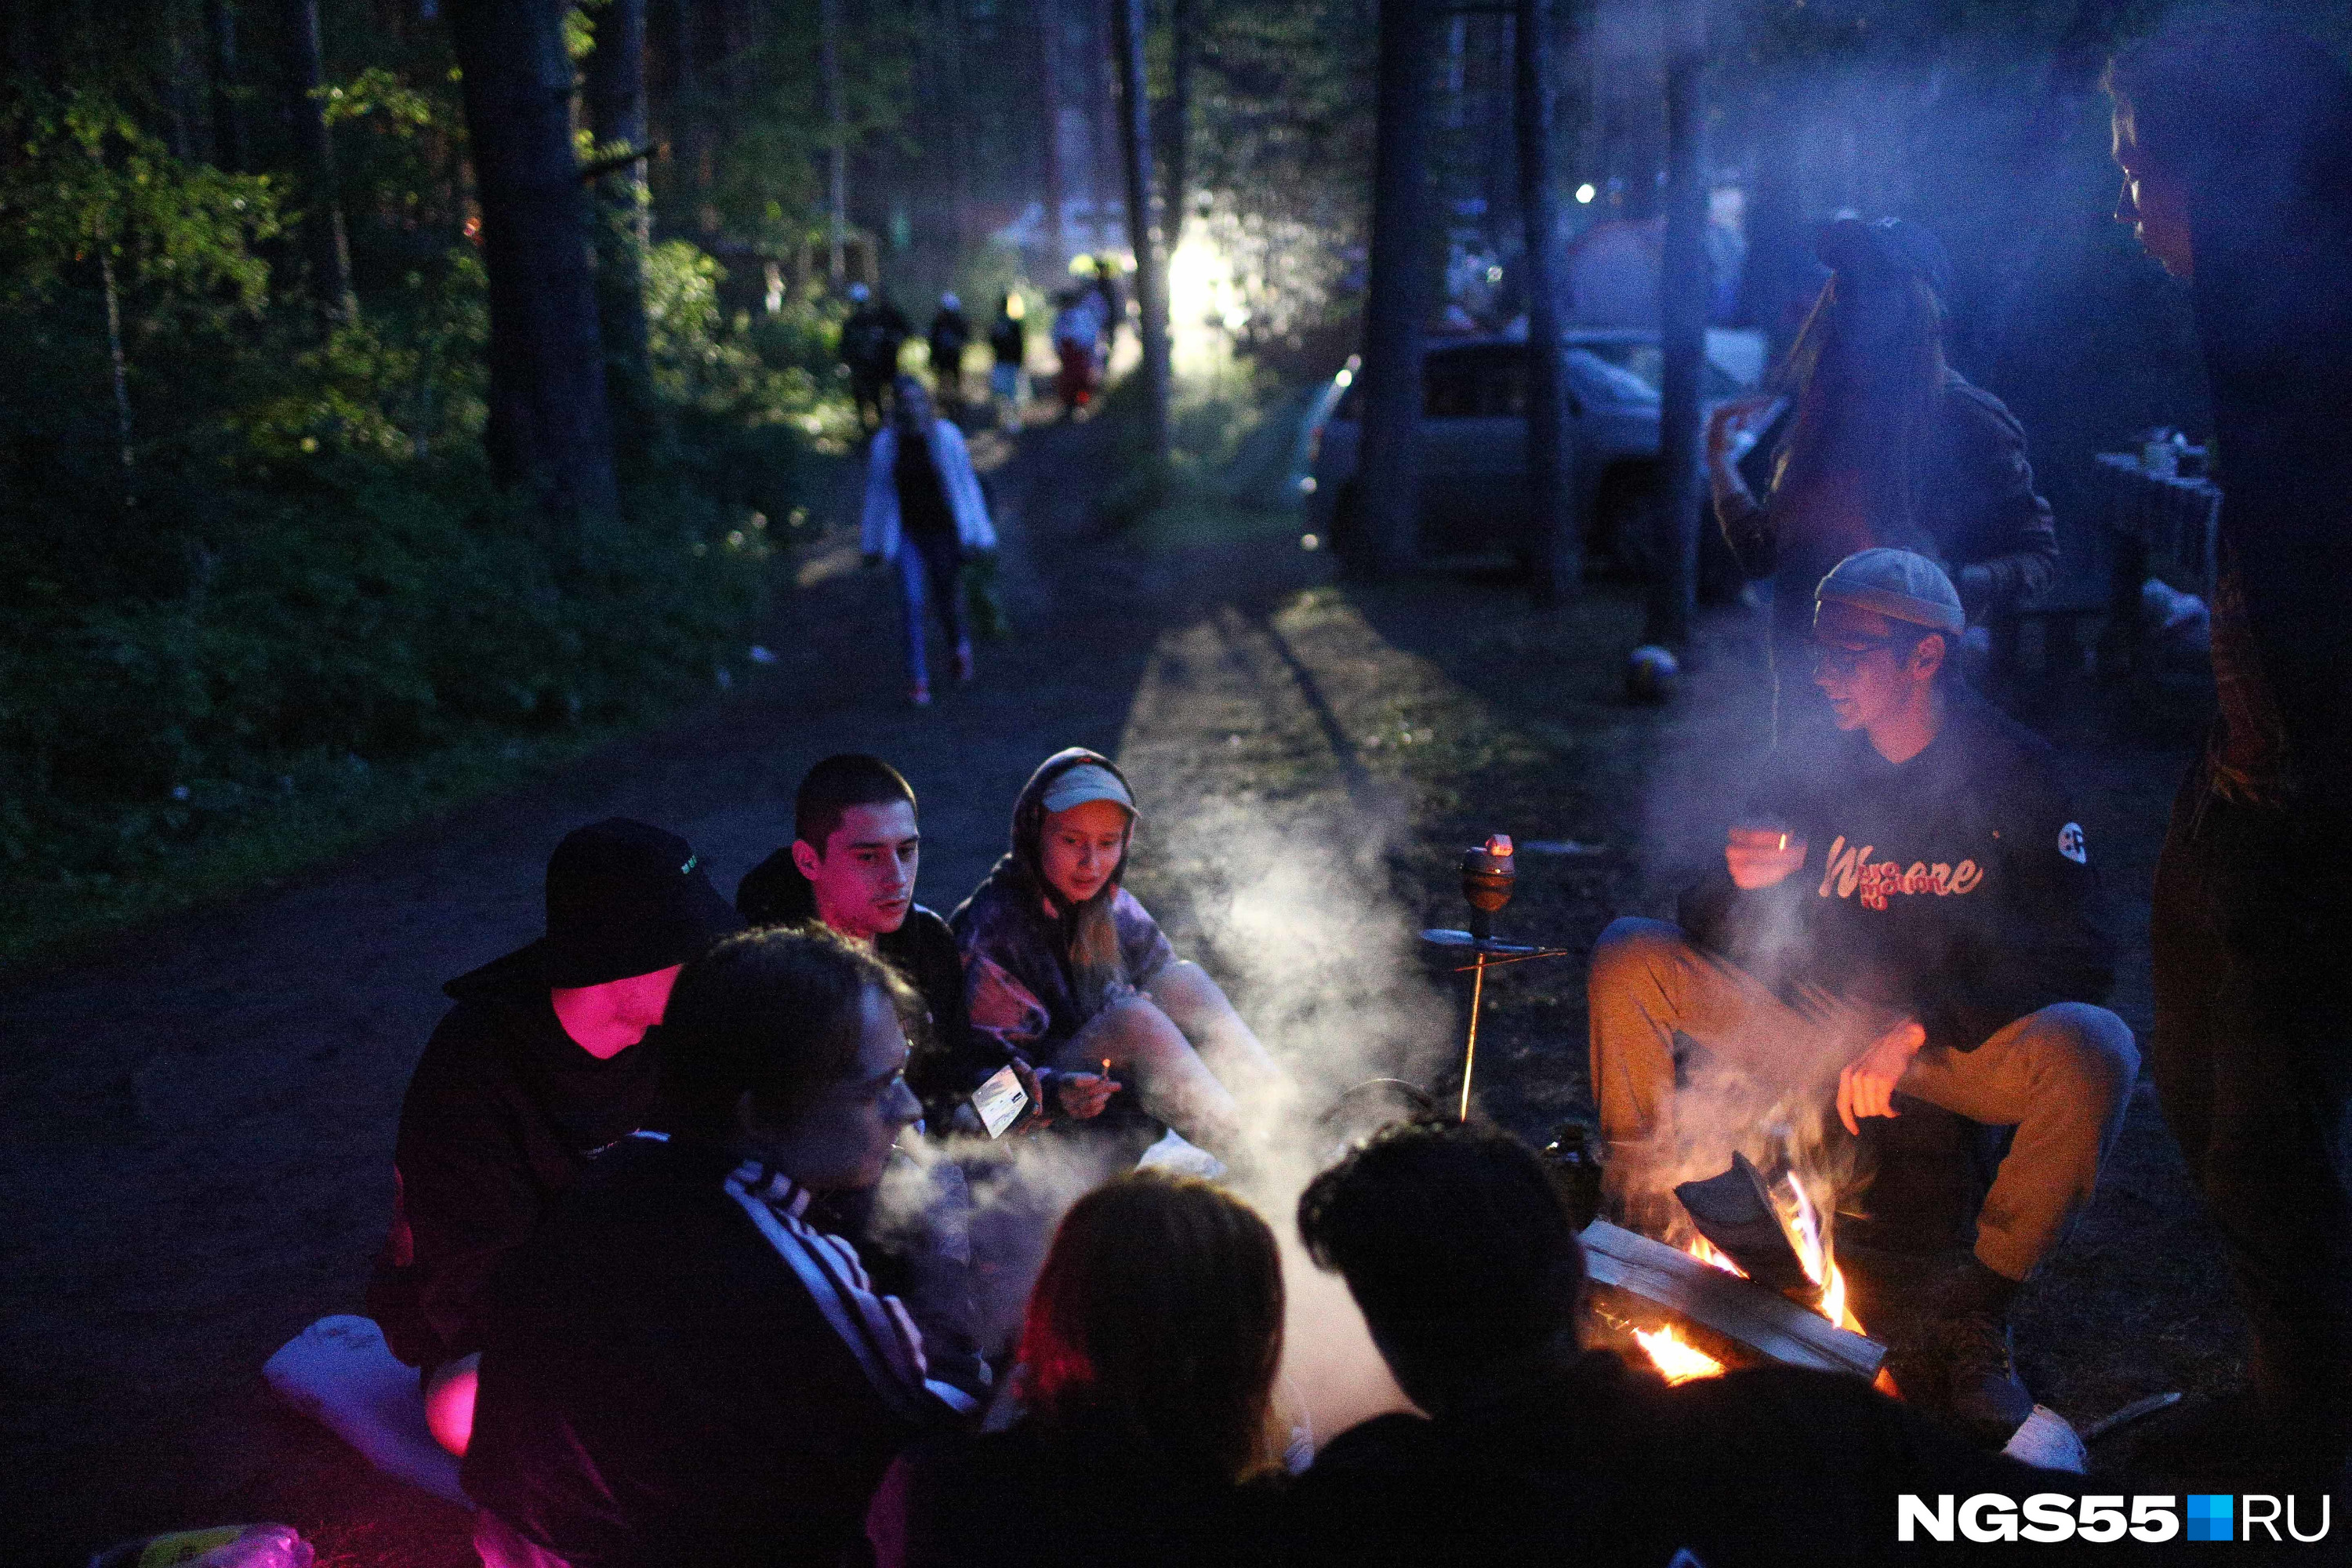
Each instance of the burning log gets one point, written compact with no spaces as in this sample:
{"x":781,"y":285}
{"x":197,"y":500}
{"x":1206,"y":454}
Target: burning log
{"x":1735,"y":1212}
{"x":1760,"y":1321}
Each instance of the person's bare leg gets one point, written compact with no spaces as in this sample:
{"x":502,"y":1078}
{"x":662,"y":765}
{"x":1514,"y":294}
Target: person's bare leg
{"x":1143,"y":1044}
{"x":1196,"y":1003}
{"x":450,"y":1402}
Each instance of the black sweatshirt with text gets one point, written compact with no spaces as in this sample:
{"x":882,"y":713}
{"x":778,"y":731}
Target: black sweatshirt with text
{"x":1956,"y":886}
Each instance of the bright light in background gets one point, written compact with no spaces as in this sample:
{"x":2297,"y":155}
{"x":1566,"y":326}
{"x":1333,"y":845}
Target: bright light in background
{"x":1204,"y":306}
{"x":1584,"y":195}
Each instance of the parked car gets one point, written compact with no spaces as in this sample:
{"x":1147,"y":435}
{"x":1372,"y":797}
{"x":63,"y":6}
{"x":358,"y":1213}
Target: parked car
{"x":1473,"y":466}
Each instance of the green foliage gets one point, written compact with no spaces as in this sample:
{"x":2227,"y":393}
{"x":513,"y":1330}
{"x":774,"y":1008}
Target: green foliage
{"x":88,"y":179}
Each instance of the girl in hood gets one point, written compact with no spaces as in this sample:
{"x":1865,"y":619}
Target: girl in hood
{"x":1069,"y":972}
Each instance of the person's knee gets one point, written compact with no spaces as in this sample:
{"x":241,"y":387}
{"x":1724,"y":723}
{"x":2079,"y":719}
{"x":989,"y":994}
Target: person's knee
{"x":1632,"y":947}
{"x":2090,"y":1051}
{"x":450,"y":1402}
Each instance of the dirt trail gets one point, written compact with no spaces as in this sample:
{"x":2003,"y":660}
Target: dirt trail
{"x":195,"y":1127}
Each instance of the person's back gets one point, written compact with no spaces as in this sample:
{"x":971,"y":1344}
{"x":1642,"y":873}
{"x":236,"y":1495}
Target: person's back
{"x":1457,"y":1247}
{"x":660,"y":1388}
{"x":1027,"y":1498}
{"x":1147,"y":1358}
{"x":1602,"y":1463}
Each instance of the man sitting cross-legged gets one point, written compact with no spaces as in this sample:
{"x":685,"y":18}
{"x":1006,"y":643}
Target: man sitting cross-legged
{"x":1459,"y":1249}
{"x":1906,"y":911}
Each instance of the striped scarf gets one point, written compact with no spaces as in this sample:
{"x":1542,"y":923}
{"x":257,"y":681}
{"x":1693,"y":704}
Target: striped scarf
{"x":887,"y":1344}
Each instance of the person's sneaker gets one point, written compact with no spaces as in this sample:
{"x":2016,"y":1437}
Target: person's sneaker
{"x":1983,"y":1394}
{"x":921,"y":695}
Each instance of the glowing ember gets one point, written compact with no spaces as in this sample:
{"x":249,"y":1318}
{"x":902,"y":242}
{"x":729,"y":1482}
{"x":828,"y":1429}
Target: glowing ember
{"x":1678,"y":1361}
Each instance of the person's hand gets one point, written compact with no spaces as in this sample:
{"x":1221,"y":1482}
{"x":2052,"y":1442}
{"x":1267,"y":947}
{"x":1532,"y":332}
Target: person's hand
{"x":1729,"y":422}
{"x":1083,"y":1095}
{"x":1762,"y":857}
{"x":1866,"y":1086}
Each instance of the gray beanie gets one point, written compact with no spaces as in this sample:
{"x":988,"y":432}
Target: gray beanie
{"x":1896,"y":584}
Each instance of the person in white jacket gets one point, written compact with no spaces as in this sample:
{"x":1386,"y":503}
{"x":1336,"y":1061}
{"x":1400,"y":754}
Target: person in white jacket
{"x":924,"y":511}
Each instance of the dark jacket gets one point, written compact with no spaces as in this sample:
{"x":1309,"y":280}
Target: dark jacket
{"x":1007,"y":341}
{"x":1603,"y":1465}
{"x":660,"y":1388}
{"x":1026,"y":1499}
{"x":1957,"y":886}
{"x":1980,"y":510}
{"x":870,"y":339}
{"x":2271,"y":222}
{"x":952,"y":1059}
{"x":502,"y":1115}
{"x":951,"y":331}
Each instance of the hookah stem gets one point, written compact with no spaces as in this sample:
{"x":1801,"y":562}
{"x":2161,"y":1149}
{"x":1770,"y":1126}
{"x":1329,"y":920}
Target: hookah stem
{"x":1470,"y":1057}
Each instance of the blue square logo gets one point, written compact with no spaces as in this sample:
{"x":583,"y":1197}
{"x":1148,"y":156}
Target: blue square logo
{"x":2212,"y":1516}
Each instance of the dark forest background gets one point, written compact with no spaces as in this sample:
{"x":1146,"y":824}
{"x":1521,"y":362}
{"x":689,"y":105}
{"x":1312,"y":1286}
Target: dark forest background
{"x":278,"y":514}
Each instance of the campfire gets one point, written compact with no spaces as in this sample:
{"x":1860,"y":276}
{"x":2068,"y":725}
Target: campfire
{"x":1757,"y":1282}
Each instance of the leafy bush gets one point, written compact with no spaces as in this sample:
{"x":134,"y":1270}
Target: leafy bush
{"x":292,"y":567}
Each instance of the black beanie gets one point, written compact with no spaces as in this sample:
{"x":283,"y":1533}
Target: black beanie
{"x":624,"y":898}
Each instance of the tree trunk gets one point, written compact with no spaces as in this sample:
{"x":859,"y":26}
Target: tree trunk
{"x":1183,"y":41}
{"x":692,"y":114}
{"x":228,"y":114}
{"x":1049,"y":86}
{"x":616,"y":91}
{"x":548,"y":428}
{"x":1554,"y":549}
{"x":1681,"y":330}
{"x":1135,"y":143}
{"x":1103,"y":176}
{"x":325,"y":252}
{"x":1381,"y":538}
{"x":837,"y":143}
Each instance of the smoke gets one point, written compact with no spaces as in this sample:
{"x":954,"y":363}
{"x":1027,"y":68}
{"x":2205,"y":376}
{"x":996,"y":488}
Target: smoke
{"x":1290,"y":911}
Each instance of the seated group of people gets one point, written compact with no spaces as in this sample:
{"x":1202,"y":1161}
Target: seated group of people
{"x":637,"y":1261}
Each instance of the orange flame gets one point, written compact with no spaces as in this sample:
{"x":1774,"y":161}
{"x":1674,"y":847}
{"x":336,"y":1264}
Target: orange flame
{"x":1679,"y":1360}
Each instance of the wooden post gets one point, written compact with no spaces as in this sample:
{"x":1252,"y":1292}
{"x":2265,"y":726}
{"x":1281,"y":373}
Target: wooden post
{"x":1555,"y":548}
{"x":1380,"y":539}
{"x":1135,"y":144}
{"x":1681,"y":330}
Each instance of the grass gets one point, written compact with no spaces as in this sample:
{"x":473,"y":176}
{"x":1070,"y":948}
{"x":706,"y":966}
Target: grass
{"x":262,"y":845}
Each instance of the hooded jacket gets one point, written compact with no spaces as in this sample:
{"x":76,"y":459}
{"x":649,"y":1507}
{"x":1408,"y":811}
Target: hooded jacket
{"x":1978,"y":507}
{"x":503,"y":1113}
{"x":1025,"y":985}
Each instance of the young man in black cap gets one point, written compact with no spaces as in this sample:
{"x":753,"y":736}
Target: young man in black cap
{"x":1906,"y":911}
{"x":851,"y":865}
{"x":542,"y":1062}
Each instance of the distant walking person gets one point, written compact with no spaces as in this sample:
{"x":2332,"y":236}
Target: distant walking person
{"x":1008,"y":346}
{"x":1077,"y":339}
{"x":871,"y":340}
{"x":949,"y":335}
{"x":1889,"y":447}
{"x":923,"y":510}
{"x":2235,"y":138}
